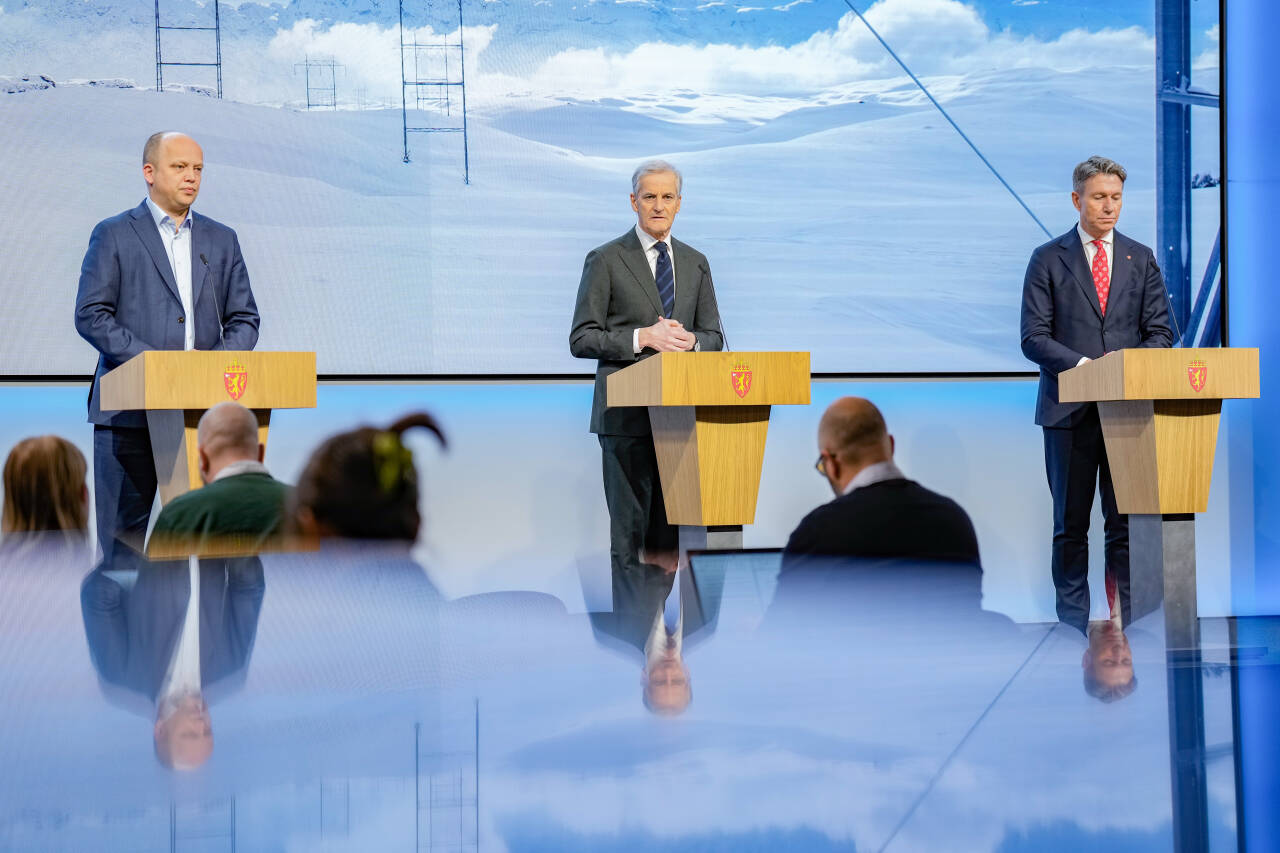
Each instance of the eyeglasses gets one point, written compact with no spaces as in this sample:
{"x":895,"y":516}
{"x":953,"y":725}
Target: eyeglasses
{"x":821,"y":465}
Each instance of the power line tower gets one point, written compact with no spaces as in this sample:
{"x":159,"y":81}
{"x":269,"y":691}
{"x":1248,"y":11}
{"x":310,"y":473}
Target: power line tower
{"x":322,"y":82}
{"x":434,"y":73}
{"x":162,"y":63}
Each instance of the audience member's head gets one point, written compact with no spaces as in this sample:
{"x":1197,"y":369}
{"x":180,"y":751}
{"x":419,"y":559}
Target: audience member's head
{"x":227,"y":433}
{"x":851,"y":436}
{"x":183,"y":732}
{"x":1108,"y":663}
{"x":44,"y":487}
{"x":363,"y":484}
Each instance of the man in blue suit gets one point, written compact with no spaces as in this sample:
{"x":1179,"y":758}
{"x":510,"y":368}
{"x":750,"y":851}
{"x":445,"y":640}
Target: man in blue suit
{"x":158,"y":277}
{"x":1087,"y":293}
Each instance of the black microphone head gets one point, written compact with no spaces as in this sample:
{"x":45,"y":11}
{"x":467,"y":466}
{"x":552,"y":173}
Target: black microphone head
{"x":203,"y":259}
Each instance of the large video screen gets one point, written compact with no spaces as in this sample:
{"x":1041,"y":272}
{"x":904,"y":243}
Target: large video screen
{"x":843,"y":210}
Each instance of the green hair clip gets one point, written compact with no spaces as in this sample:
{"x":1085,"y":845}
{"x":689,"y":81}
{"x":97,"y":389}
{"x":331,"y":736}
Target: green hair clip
{"x":392,"y":461}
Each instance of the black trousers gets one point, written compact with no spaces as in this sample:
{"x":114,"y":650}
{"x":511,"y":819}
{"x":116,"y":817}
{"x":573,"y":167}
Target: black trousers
{"x":633,"y":491}
{"x":1075,"y":459}
{"x":124,"y":484}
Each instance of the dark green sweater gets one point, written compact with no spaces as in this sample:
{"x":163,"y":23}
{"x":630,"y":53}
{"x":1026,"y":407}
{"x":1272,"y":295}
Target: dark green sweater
{"x":250,"y":504}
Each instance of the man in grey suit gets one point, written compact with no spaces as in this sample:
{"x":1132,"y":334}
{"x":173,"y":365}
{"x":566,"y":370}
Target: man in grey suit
{"x":157,"y":277}
{"x":641,"y":293}
{"x":1087,"y":293}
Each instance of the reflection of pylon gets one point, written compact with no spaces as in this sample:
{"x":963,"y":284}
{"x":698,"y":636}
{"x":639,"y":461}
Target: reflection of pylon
{"x":162,"y":63}
{"x":432,"y":82}
{"x":322,"y":82}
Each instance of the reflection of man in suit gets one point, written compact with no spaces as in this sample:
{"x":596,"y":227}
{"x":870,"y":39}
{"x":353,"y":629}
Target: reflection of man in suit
{"x":180,"y":632}
{"x":1108,"y":663}
{"x":656,"y":616}
{"x":155,"y":277}
{"x":1087,"y":293}
{"x":641,"y":293}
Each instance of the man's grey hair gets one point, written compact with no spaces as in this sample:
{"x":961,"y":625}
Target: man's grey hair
{"x":151,"y":150}
{"x":1096,"y":165}
{"x":655,"y":167}
{"x":228,"y":426}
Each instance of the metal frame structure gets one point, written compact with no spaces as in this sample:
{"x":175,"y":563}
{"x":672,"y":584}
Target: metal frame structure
{"x":322,"y":94}
{"x":1196,"y":313}
{"x":433,"y":91}
{"x":161,"y":63}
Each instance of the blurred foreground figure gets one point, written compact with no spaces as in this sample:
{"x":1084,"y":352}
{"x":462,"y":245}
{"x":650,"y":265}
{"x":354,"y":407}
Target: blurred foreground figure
{"x":363,"y":484}
{"x":44,"y":488}
{"x":877,"y":511}
{"x":240,"y":499}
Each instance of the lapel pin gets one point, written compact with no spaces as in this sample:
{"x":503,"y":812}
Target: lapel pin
{"x":1128,"y":257}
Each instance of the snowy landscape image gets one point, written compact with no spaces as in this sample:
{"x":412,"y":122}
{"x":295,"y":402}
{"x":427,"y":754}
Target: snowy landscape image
{"x":841,"y":212}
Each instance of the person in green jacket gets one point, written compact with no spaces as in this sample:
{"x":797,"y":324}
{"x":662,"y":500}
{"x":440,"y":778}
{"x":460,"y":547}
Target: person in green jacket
{"x":241,"y":502}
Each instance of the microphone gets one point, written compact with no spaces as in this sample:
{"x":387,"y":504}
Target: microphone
{"x":724,"y":341}
{"x":213,"y":289}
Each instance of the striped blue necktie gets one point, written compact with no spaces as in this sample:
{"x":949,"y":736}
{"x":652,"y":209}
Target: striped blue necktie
{"x":665,"y":279}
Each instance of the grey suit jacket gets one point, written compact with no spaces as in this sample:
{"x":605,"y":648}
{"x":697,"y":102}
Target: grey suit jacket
{"x":616,"y":296}
{"x":1062,"y":320}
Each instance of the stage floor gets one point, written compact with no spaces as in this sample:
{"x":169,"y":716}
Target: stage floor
{"x":347,"y":704}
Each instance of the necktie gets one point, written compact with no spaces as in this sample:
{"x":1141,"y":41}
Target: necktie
{"x":1101,"y":275}
{"x":665,"y":279}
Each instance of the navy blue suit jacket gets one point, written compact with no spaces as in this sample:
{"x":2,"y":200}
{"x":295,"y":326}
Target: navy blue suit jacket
{"x":1062,"y":320}
{"x":128,"y":299}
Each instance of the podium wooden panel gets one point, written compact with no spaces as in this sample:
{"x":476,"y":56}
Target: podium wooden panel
{"x":1160,"y":410}
{"x":176,"y":387}
{"x":710,"y":418}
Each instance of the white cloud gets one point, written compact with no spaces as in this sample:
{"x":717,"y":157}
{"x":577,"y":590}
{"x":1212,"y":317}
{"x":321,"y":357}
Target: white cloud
{"x":710,"y":5}
{"x":1209,"y":57}
{"x":1026,"y":2}
{"x":787,"y":7}
{"x":742,"y":9}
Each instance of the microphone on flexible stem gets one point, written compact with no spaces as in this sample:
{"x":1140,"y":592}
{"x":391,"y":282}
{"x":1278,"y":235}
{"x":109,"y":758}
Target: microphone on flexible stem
{"x":213,"y":289}
{"x":1173,"y":315}
{"x":724,"y":341}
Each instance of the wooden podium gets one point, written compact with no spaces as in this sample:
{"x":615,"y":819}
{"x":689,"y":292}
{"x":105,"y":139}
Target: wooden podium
{"x":710,"y":417}
{"x":176,"y":387}
{"x":1159,"y":410}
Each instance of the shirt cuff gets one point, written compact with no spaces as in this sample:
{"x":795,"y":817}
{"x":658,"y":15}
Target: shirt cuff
{"x":697,"y":344}
{"x":635,"y":341}
{"x":1082,"y":360}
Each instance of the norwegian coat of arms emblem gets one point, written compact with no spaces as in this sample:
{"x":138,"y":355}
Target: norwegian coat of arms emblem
{"x":236,"y":379}
{"x":1197,"y":375}
{"x":740,"y":377}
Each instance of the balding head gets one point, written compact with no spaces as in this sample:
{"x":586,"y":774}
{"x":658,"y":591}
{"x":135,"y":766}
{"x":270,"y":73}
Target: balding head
{"x":851,"y":436}
{"x":227,"y":433}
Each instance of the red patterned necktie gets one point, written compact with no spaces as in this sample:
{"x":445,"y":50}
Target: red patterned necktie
{"x":1101,"y":275}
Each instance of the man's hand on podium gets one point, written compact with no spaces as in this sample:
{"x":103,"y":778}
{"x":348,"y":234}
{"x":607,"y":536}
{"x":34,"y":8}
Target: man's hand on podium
{"x":666,"y":336}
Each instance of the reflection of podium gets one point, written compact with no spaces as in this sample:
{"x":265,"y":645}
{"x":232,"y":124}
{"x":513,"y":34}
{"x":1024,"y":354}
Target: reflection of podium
{"x":710,"y":415}
{"x":177,"y":387}
{"x":1159,"y":410}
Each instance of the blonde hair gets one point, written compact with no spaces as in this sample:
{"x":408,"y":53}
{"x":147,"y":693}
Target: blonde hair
{"x":44,"y":487}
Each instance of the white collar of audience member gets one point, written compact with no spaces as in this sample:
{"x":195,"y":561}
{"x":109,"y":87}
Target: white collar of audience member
{"x":876,"y":472}
{"x":244,"y":466}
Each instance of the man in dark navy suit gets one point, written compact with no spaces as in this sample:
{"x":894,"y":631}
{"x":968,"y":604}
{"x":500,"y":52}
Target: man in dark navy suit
{"x":157,"y":277}
{"x":1087,"y":293}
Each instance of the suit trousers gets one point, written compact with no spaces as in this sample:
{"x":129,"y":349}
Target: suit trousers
{"x":124,"y":484}
{"x":1076,"y":462}
{"x":633,"y":492}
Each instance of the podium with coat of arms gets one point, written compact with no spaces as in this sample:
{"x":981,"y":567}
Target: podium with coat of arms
{"x":710,"y":416}
{"x":176,"y":387}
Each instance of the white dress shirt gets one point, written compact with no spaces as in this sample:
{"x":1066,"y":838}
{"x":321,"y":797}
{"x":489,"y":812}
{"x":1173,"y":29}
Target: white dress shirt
{"x":1090,"y":250}
{"x":183,"y":675}
{"x":177,"y":245}
{"x":242,"y":466}
{"x":875,"y":473}
{"x":649,"y":244}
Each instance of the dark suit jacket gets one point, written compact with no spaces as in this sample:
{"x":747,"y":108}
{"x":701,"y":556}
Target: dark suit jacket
{"x":128,"y":299}
{"x":638,"y":597}
{"x":892,"y":518}
{"x":1062,"y":320}
{"x":133,"y":630}
{"x":616,"y":296}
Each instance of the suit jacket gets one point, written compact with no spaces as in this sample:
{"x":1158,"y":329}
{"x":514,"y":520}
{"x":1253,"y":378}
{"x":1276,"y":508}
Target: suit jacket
{"x":618,"y":295}
{"x":1062,"y":319}
{"x":892,"y":518}
{"x":128,"y":300}
{"x":133,"y":630}
{"x":638,"y":597}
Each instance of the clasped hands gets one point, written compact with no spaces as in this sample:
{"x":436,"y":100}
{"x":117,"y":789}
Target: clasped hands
{"x":666,"y":336}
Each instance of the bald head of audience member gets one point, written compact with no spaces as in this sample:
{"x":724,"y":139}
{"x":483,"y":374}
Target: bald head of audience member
{"x":44,"y":487}
{"x":851,"y":436}
{"x":227,"y":433}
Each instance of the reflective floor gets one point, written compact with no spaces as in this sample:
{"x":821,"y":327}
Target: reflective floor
{"x":334,"y":700}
